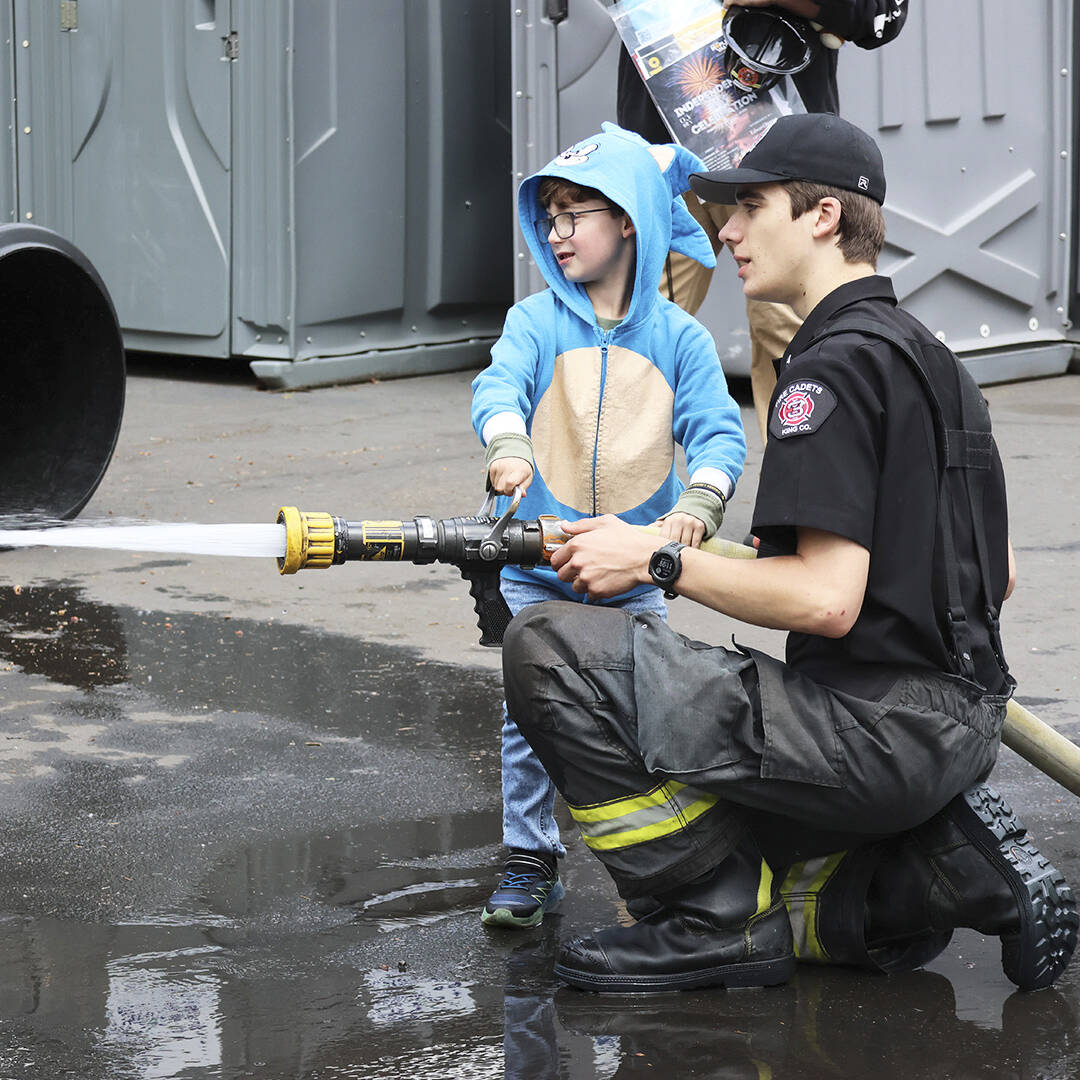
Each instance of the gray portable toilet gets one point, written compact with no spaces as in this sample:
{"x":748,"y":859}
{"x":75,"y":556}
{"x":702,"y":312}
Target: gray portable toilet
{"x":982,"y":189}
{"x":318,"y":186}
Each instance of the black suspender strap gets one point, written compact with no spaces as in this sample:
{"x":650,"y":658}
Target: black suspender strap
{"x":966,"y":449}
{"x":978,"y":456}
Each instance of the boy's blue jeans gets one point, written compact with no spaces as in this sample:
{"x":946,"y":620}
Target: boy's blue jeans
{"x":528,"y":794}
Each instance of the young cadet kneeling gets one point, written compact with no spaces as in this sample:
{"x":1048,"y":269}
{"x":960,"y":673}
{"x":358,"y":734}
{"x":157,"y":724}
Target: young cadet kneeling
{"x":830,"y":808}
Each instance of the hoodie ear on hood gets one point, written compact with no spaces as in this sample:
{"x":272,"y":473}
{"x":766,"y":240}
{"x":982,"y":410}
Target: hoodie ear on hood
{"x":648,"y":182}
{"x":676,"y":163}
{"x":687,"y":236}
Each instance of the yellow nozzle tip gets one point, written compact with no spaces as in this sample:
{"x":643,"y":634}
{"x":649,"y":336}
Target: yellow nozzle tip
{"x":292,"y":561}
{"x":309,"y":540}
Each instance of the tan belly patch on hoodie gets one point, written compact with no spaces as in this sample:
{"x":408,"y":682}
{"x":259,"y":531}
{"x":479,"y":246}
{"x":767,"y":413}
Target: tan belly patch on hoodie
{"x":630,"y":430}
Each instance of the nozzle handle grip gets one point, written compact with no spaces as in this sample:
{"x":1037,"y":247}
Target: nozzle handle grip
{"x":492,"y":614}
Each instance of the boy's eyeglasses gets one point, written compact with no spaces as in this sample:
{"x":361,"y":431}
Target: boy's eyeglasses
{"x":563,"y":224}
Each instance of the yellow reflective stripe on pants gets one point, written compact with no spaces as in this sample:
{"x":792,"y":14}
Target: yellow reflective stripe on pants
{"x":637,"y":819}
{"x":802,"y":890}
{"x":764,"y":891}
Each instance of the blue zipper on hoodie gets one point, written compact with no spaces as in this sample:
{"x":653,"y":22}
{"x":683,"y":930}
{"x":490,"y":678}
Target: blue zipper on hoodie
{"x":604,"y":341}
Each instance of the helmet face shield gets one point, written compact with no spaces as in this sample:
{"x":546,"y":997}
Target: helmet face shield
{"x":765,"y":45}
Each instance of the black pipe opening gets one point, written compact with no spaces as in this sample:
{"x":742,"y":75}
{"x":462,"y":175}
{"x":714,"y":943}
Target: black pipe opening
{"x":62,"y":375}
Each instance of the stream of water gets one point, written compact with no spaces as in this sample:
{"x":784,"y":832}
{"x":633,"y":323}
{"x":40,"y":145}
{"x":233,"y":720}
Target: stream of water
{"x":249,"y":541}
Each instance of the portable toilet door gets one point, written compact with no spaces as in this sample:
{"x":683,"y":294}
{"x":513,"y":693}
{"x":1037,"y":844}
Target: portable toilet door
{"x":123,"y":145}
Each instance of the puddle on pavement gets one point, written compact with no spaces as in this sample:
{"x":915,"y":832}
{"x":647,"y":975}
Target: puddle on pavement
{"x":240,"y":849}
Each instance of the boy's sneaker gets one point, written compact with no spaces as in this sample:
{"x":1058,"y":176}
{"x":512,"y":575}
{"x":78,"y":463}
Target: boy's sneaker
{"x":530,"y":886}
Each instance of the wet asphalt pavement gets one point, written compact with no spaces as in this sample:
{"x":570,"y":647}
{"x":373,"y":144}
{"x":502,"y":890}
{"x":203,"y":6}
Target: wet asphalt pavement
{"x":248,"y":821}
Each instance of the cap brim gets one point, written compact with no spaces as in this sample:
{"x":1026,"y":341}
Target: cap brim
{"x":721,"y":186}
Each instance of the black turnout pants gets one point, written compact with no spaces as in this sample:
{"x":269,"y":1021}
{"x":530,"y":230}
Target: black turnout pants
{"x":667,"y":750}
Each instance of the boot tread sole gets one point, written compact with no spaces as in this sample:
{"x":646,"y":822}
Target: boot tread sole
{"x":1039,"y":953}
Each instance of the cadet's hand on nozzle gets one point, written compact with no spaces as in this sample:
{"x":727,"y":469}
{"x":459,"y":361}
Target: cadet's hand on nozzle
{"x":685,"y":528}
{"x":604,"y":556}
{"x":508,"y":473}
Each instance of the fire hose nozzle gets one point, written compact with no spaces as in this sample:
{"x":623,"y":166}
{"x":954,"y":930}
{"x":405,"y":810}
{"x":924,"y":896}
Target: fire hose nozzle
{"x":309,"y":540}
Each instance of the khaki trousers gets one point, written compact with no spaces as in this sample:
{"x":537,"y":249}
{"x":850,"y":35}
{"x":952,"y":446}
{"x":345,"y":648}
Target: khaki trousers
{"x":772,"y":326}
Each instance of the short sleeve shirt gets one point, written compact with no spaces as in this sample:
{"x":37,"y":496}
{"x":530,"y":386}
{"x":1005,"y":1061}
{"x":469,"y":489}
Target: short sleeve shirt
{"x":852,"y":451}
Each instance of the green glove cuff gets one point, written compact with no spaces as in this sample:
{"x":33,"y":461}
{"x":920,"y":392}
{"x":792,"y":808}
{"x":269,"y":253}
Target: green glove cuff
{"x":509,"y":444}
{"x":704,"y":502}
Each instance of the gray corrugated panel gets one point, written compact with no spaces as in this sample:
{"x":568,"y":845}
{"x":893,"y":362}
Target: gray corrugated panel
{"x":263,"y":232}
{"x":128,"y":157}
{"x":43,"y":117}
{"x":469,"y":160}
{"x":534,"y":118}
{"x":351,"y":184}
{"x":9,"y":208}
{"x":398,"y":164}
{"x":978,"y":192}
{"x":564,"y":77}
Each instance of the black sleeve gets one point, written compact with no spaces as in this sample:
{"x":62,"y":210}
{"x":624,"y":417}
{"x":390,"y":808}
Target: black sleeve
{"x":822,"y":463}
{"x":869,"y":23}
{"x":634,"y":108}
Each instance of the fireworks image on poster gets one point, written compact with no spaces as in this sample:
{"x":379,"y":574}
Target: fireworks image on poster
{"x":679,"y":48}
{"x":699,"y":75}
{"x":707,"y":111}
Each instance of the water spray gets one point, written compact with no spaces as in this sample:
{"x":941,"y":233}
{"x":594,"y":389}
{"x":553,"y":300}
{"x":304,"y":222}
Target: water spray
{"x":247,"y":541}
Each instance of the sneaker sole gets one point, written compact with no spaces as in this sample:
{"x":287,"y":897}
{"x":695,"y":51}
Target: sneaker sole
{"x":504,"y":919}
{"x":1040,"y":952}
{"x":773,"y":972}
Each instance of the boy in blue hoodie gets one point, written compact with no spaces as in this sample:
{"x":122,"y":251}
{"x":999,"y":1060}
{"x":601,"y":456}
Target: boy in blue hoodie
{"x":591,"y":385}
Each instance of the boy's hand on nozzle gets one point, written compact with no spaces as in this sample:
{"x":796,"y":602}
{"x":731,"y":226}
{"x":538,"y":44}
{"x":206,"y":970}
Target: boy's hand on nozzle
{"x":509,"y":473}
{"x":685,"y":528}
{"x":696,"y":515}
{"x":509,"y":462}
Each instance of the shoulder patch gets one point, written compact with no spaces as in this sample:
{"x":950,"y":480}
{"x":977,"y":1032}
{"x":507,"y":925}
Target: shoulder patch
{"x":801,"y":408}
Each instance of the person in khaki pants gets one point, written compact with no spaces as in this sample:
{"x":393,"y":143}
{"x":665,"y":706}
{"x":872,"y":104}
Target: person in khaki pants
{"x":867,"y":23}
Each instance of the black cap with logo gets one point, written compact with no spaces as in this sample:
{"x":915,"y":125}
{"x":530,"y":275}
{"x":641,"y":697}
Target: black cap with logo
{"x":818,"y":147}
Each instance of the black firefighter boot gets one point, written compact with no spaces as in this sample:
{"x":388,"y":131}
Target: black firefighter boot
{"x":973,"y":865}
{"x":728,"y":927}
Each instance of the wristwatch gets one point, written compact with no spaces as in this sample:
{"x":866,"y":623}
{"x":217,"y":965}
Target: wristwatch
{"x":665,"y":566}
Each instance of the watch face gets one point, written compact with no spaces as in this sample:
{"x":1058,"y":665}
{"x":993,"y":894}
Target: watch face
{"x":664,"y":565}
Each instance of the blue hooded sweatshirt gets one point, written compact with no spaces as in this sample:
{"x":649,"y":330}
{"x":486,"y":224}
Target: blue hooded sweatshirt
{"x":604,"y":409}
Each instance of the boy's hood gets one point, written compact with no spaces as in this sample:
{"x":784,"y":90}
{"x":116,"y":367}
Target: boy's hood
{"x":647,"y":181}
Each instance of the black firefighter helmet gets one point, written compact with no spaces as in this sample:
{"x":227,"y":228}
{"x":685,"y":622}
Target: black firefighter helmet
{"x":766,"y":43}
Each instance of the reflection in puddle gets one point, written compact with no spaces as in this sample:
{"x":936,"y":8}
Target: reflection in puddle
{"x":411,"y":906}
{"x":169,"y":1023}
{"x":392,"y":999}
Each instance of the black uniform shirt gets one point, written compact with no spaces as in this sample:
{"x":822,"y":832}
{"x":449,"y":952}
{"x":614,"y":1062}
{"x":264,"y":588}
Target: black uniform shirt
{"x":852,"y":451}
